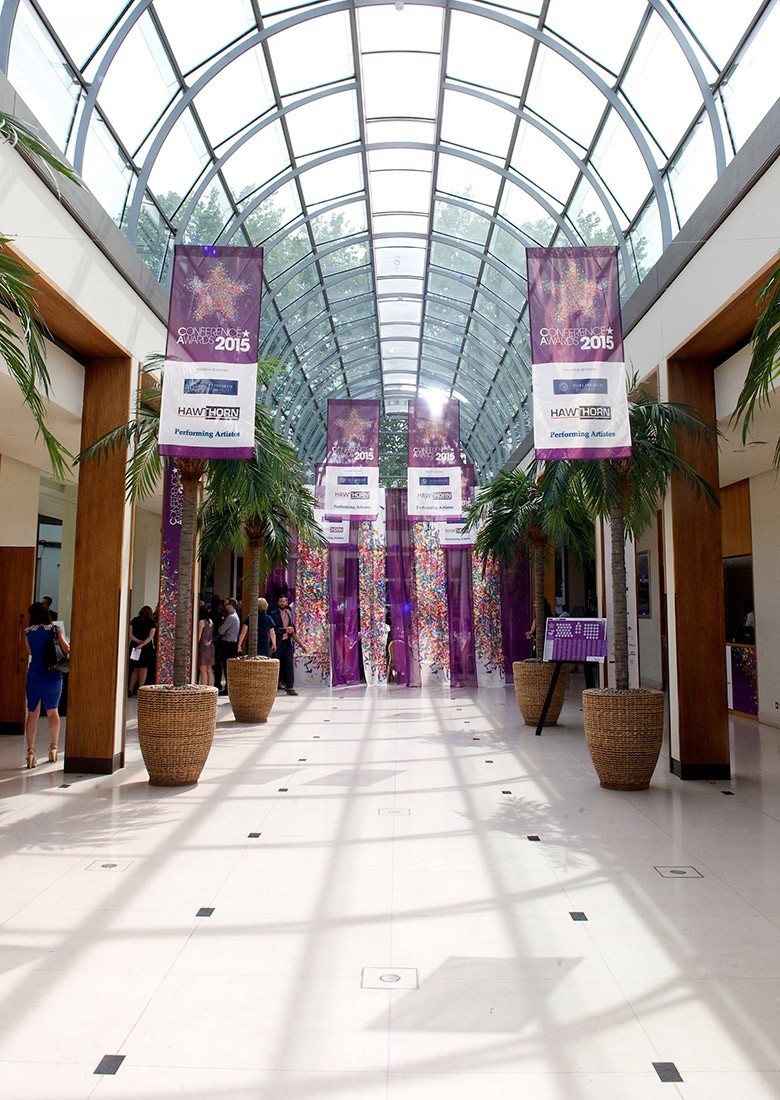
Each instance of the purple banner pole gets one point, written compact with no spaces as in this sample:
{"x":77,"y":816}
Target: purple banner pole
{"x":403,"y":624}
{"x":460,"y":612}
{"x":344,"y":615}
{"x":169,"y":574}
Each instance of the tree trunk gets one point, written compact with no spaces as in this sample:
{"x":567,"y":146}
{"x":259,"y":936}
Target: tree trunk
{"x":190,"y":471}
{"x":620,"y":615}
{"x":540,"y":615}
{"x":252,"y":592}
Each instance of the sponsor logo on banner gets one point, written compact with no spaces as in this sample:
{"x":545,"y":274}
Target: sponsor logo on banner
{"x":351,"y":493}
{"x":576,"y":352}
{"x":211,"y":352}
{"x":434,"y":494}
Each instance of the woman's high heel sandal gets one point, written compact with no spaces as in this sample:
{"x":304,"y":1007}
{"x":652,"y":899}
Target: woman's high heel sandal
{"x":31,"y":761}
{"x":53,"y":754}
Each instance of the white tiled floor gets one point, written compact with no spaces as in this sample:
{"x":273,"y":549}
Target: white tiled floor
{"x":102,"y":953}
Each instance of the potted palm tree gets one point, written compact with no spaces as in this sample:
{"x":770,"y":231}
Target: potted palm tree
{"x":764,"y":366}
{"x":506,"y":513}
{"x":253,"y":507}
{"x":24,"y":354}
{"x":176,"y":723}
{"x":624,"y":727}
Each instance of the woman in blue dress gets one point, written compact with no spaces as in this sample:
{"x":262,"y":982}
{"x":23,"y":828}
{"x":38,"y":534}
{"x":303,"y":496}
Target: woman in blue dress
{"x":44,"y":685}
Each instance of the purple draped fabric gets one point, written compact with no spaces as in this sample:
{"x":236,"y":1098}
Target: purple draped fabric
{"x":343,"y":574}
{"x":460,"y":611}
{"x":517,"y":611}
{"x":403,"y":623}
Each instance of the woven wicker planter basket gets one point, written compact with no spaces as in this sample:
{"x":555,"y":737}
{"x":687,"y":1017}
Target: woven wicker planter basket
{"x":252,"y":684}
{"x":624,"y":731}
{"x":175,"y":730}
{"x":532,"y":682}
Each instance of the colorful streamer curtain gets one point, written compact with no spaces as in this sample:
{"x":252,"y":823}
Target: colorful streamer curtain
{"x":460,"y":612}
{"x":431,"y":603}
{"x":488,"y":635}
{"x":400,"y":590}
{"x":372,"y":588}
{"x":344,"y":613}
{"x":311,"y":608}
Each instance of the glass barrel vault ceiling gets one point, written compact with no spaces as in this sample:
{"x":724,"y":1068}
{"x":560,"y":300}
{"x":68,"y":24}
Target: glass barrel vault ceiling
{"x":395,"y":159}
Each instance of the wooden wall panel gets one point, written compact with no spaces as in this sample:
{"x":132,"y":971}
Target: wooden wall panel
{"x":698,"y":591}
{"x":17,"y":584}
{"x":735,"y":519}
{"x":97,"y":617}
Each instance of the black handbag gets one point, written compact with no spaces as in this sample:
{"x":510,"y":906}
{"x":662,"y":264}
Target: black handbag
{"x":53,"y":659}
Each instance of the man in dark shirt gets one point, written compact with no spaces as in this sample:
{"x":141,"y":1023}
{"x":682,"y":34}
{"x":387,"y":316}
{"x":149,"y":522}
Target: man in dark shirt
{"x":285,"y":635}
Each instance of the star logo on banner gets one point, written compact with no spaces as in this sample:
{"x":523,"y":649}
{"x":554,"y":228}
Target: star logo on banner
{"x":575,"y":293}
{"x":435,"y":432}
{"x":354,"y":428}
{"x":217,"y":293}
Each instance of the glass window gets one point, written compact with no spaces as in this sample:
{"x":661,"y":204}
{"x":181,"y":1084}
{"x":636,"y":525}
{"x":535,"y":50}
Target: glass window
{"x":324,"y":124}
{"x":469,"y":121}
{"x":235,"y":96}
{"x":312,"y":53}
{"x":662,"y":87}
{"x":487,"y":53}
{"x":748,"y":93}
{"x":400,"y":85}
{"x":205,"y":26}
{"x":39,"y":73}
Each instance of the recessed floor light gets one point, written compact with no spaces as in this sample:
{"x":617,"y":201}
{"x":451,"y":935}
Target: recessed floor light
{"x":389,"y":977}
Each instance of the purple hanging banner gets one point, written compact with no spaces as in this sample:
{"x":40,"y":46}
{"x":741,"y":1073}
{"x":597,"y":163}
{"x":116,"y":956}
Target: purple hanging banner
{"x":343,"y":574}
{"x":579,"y":384}
{"x":517,"y":611}
{"x":169,"y":574}
{"x":434,"y":461}
{"x":210,"y":376}
{"x":400,"y":590}
{"x":351,"y":475}
{"x":460,"y":611}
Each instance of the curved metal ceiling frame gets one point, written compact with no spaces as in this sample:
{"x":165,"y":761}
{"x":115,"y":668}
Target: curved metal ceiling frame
{"x":350,"y":84}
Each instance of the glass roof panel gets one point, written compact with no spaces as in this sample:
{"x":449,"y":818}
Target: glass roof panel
{"x":342,"y":176}
{"x":400,"y":261}
{"x":584,"y":25}
{"x":476,"y":124}
{"x":387,"y":96}
{"x":401,"y":190}
{"x":408,"y":129}
{"x":718,"y":24}
{"x":257,"y":161}
{"x":205,"y":27}
{"x":312,"y":53}
{"x":181,"y":158}
{"x":540,"y":160}
{"x":620,"y":163}
{"x":487,"y":53}
{"x":661,"y":86}
{"x":244,"y":84}
{"x":140,"y":63}
{"x":565,"y":97}
{"x":387,"y":28}
{"x":325,"y":123}
{"x":460,"y":176}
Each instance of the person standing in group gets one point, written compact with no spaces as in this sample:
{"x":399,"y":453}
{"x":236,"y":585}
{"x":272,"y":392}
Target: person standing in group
{"x":205,"y":648}
{"x":142,"y":652}
{"x":44,"y":685}
{"x":266,"y":633}
{"x":217,"y":615}
{"x":285,"y":640}
{"x":228,"y":633}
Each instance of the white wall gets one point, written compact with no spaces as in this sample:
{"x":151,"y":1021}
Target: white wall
{"x":765,"y":524}
{"x":146,"y":560}
{"x":649,"y":629}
